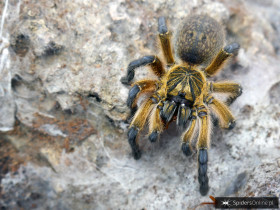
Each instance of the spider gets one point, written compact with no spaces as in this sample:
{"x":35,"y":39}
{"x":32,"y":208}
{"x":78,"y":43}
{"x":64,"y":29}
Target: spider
{"x":182,"y":91}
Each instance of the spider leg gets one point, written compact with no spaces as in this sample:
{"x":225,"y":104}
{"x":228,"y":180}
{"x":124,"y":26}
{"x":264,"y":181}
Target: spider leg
{"x":188,"y":135}
{"x":232,"y":88}
{"x":156,"y":125}
{"x":222,"y":111}
{"x":138,"y":88}
{"x":165,"y":36}
{"x":221,"y":57}
{"x":137,"y":124}
{"x":151,"y":60}
{"x":202,"y":146}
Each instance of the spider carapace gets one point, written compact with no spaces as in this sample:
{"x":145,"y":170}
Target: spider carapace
{"x":182,"y":91}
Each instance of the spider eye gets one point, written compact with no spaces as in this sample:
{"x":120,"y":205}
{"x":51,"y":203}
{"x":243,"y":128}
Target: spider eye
{"x":191,"y":34}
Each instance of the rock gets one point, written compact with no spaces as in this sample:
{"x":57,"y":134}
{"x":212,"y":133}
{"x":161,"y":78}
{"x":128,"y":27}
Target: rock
{"x":274,"y":93}
{"x":236,"y":184}
{"x":7,"y":103}
{"x":264,"y":181}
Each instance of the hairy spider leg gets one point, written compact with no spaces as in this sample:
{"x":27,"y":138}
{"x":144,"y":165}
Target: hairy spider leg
{"x":222,"y":111}
{"x":221,"y":58}
{"x":165,"y":41}
{"x":139,"y":88}
{"x":151,"y":60}
{"x":232,"y":88}
{"x":156,"y":125}
{"x":202,"y":146}
{"x":188,"y":135}
{"x":137,"y":124}
{"x":202,"y":171}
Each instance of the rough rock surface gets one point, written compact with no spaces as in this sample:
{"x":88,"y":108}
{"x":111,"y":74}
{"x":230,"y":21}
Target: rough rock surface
{"x":63,"y":109}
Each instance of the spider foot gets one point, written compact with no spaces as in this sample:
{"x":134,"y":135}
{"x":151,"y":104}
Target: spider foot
{"x":125,"y":81}
{"x":204,"y":187}
{"x":202,"y":171}
{"x":132,"y":94}
{"x":136,"y":154}
{"x":231,"y":125}
{"x":230,"y":100}
{"x":153,"y":136}
{"x":186,"y":149}
{"x":162,"y":28}
{"x":132,"y":134}
{"x":232,"y":48}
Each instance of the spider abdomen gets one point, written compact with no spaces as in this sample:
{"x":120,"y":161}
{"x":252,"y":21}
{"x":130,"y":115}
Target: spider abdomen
{"x":186,"y":81}
{"x":199,"y":39}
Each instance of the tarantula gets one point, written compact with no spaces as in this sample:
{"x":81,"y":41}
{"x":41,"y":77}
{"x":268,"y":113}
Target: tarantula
{"x":182,"y":91}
